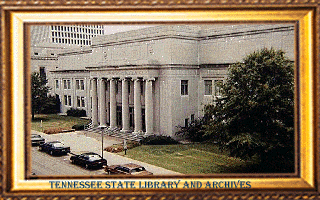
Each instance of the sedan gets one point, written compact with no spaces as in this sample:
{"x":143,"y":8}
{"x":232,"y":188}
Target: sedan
{"x":127,"y":169}
{"x":36,"y":140}
{"x":88,"y":160}
{"x":54,"y":148}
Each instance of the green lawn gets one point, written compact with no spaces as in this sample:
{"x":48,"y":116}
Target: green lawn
{"x":186,"y":159}
{"x":55,"y":121}
{"x":205,"y":158}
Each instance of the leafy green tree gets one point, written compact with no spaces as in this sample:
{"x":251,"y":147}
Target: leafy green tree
{"x":39,"y":91}
{"x":255,"y":116}
{"x":52,"y":106}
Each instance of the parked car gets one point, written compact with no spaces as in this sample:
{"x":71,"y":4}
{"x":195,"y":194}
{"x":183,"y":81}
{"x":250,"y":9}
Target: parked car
{"x":127,"y":169}
{"x":36,"y":140}
{"x":54,"y":148}
{"x":89,"y":160}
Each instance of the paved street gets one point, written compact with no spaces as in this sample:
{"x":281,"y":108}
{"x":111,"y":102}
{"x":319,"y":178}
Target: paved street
{"x":44,"y":164}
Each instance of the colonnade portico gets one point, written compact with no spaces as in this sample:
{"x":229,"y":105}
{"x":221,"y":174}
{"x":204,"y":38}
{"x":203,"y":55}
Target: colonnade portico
{"x":99,"y":103}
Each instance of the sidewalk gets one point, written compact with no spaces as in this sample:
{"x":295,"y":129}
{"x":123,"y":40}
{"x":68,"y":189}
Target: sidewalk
{"x":81,"y":141}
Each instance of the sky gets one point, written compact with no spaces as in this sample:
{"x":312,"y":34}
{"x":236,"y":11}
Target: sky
{"x":111,"y":29}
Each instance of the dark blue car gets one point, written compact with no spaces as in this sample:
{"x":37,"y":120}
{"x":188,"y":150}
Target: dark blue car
{"x":89,"y":160}
{"x":54,"y":148}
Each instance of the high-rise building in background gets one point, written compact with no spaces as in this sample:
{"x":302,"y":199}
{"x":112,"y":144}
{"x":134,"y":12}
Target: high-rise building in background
{"x":79,"y":35}
{"x":48,"y":41}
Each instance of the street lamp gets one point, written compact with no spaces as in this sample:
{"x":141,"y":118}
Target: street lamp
{"x":102,"y":127}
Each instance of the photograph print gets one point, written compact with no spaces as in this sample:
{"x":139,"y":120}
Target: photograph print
{"x":162,"y":100}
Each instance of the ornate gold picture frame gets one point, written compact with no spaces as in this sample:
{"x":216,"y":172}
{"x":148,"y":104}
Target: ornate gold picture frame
{"x":15,"y":97}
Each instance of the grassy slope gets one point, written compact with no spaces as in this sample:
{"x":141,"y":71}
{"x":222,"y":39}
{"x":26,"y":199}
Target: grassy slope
{"x":186,"y":159}
{"x":55,"y":121}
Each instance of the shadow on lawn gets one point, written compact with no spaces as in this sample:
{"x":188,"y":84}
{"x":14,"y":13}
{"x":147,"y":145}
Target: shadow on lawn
{"x":251,"y":168}
{"x":38,"y":119}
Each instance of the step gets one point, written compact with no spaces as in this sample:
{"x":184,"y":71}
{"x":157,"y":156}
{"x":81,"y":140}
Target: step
{"x":116,"y":132}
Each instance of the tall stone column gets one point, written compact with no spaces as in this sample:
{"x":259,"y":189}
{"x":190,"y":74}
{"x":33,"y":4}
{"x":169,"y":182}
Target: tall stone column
{"x":125,"y":106}
{"x":113,"y":104}
{"x":137,"y":106}
{"x":94,"y":102}
{"x":102,"y":102}
{"x":149,"y":106}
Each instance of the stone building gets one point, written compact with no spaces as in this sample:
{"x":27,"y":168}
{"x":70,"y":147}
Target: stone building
{"x":154,"y":79}
{"x":48,"y":41}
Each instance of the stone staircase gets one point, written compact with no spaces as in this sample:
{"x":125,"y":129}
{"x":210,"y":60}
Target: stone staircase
{"x":115,"y":132}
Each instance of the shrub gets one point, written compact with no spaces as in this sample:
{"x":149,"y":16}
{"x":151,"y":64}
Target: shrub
{"x":194,"y":132}
{"x":114,"y":149}
{"x":78,"y":127}
{"x":53,"y":130}
{"x":119,"y":147}
{"x":76,"y":112}
{"x":158,"y":140}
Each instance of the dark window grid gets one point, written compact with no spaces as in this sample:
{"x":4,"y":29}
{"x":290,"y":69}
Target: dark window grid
{"x":184,"y":87}
{"x":78,"y":102}
{"x":217,"y":88}
{"x":186,"y":122}
{"x":208,"y":87}
{"x":69,"y":100}
{"x":82,"y":102}
{"x":65,"y":100}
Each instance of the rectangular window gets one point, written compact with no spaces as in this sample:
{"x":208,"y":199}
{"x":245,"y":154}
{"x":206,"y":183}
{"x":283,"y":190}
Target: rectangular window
{"x":69,"y":84}
{"x":184,"y":87}
{"x":69,"y":100}
{"x":82,"y":84}
{"x":186,"y":122}
{"x":217,"y":87}
{"x":43,"y":72}
{"x":57,"y":84}
{"x":66,"y":84}
{"x":78,"y":102}
{"x":192,"y":117}
{"x":65,"y":100}
{"x":78,"y":84}
{"x":82,"y":102}
{"x":208,"y":87}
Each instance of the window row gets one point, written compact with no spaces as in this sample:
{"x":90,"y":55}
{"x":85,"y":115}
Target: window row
{"x":84,"y":28}
{"x":72,"y":35}
{"x":80,"y":101}
{"x":71,"y":41}
{"x":67,"y":84}
{"x":217,"y":87}
{"x":208,"y":85}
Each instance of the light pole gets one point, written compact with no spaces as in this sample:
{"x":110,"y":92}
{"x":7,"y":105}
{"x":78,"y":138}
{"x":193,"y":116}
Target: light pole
{"x":102,"y":127}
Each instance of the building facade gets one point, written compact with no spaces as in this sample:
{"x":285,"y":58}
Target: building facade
{"x":154,"y":79}
{"x":48,"y":41}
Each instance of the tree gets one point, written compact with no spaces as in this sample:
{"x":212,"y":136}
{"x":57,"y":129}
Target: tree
{"x":39,"y":91}
{"x":52,"y":105}
{"x":255,"y":117}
